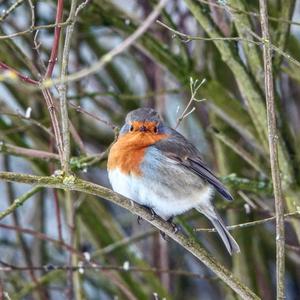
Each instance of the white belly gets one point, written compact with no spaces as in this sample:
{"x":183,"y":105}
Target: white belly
{"x":165,"y":201}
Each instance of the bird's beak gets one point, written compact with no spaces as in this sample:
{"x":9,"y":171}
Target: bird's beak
{"x":143,"y":128}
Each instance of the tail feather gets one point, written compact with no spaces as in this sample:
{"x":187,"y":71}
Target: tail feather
{"x":228,"y":240}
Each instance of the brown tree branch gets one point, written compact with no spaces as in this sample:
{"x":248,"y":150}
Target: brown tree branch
{"x":273,"y":146}
{"x":192,"y":246}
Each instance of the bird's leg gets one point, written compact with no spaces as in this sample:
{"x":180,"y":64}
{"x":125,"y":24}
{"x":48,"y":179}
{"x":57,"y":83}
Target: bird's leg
{"x":163,"y":235}
{"x":175,"y":227}
{"x":139,"y":220}
{"x":153,"y":214}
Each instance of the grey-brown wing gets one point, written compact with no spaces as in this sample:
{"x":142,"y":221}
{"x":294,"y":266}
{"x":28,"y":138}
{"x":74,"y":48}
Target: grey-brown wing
{"x":176,"y":147}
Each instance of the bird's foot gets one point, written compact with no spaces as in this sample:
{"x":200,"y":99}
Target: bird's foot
{"x":163,"y":235}
{"x":175,"y":227}
{"x":153,"y":214}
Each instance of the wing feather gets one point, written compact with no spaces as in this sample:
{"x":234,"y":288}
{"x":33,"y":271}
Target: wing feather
{"x":176,"y":147}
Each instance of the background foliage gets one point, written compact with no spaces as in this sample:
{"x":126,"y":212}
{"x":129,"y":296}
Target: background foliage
{"x":219,"y":41}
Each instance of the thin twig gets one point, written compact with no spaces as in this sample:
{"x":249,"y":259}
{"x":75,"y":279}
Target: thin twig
{"x":19,"y":202}
{"x":267,"y":43}
{"x":106,"y":58}
{"x":7,"y":12}
{"x":32,"y":13}
{"x":57,"y":30}
{"x":62,"y":89}
{"x":261,"y":41}
{"x":54,"y":120}
{"x":226,"y":6}
{"x":41,"y":236}
{"x":249,"y":224}
{"x":31,"y":29}
{"x":14,"y":73}
{"x":124,"y":242}
{"x":31,"y":153}
{"x":188,"y":38}
{"x":73,"y":286}
{"x":80,"y":109}
{"x":239,"y":150}
{"x":58,"y":215}
{"x":194,"y":87}
{"x":50,"y":268}
{"x":27,"y":118}
{"x":273,"y":144}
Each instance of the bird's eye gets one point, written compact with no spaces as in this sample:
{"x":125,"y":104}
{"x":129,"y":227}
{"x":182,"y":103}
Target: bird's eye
{"x":131,"y":128}
{"x":155,"y":129}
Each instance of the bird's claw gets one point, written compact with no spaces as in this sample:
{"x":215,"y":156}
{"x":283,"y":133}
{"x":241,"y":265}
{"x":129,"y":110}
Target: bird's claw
{"x":163,"y":235}
{"x":139,"y":220}
{"x":175,"y":227}
{"x":153,"y":214}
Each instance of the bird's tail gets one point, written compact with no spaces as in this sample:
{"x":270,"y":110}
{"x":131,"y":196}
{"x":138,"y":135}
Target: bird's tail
{"x":229,"y":242}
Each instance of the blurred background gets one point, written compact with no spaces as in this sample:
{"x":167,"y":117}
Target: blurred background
{"x":215,"y":43}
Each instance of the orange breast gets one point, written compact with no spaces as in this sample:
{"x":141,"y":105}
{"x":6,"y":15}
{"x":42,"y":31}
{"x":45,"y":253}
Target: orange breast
{"x":128,"y":151}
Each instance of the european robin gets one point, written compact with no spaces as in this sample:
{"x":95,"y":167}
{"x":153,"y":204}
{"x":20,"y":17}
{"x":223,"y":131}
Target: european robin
{"x":156,"y":167}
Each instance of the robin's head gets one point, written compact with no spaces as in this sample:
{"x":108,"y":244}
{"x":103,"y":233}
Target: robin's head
{"x":142,"y":120}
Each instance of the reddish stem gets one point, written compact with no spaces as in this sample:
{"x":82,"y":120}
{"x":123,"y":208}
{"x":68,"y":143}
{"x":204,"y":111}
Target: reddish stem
{"x":41,"y":236}
{"x":58,"y":215}
{"x":57,"y":30}
{"x":24,"y":78}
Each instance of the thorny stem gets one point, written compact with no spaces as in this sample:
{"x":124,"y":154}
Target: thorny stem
{"x":273,"y":145}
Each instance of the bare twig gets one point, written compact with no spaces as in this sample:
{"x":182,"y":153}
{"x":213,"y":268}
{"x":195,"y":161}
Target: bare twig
{"x":63,"y":89}
{"x":80,"y":109}
{"x":31,"y":153}
{"x":19,"y":202}
{"x":239,"y":150}
{"x":226,"y":6}
{"x":41,"y":236}
{"x":50,"y":268}
{"x":273,"y":144}
{"x":54,"y":120}
{"x":105,"y":59}
{"x":7,"y":12}
{"x":17,"y":74}
{"x":32,"y":13}
{"x":31,"y":29}
{"x":267,"y":43}
{"x":27,"y":118}
{"x":194,"y":87}
{"x":249,"y":224}
{"x":187,"y":38}
{"x":57,"y":30}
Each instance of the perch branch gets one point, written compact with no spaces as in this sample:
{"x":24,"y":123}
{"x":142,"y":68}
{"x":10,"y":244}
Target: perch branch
{"x":76,"y":184}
